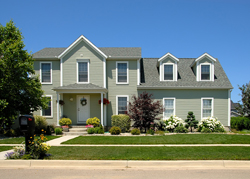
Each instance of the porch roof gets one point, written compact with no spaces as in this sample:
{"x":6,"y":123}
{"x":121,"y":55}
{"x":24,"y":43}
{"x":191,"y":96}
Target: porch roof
{"x":80,"y":88}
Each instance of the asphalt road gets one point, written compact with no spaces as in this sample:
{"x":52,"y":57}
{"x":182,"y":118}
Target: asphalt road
{"x":124,"y":173}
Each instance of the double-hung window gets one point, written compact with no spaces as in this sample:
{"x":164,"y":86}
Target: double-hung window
{"x":169,"y":107}
{"x":207,"y":107}
{"x":122,"y":72}
{"x":168,"y":72}
{"x":82,"y":71}
{"x":48,"y":112}
{"x":46,"y":72}
{"x":122,"y":104}
{"x":205,"y":72}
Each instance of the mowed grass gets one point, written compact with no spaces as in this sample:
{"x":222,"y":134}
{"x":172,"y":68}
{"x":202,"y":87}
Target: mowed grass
{"x":19,"y":140}
{"x":4,"y":148}
{"x":168,"y":139}
{"x":150,"y":153}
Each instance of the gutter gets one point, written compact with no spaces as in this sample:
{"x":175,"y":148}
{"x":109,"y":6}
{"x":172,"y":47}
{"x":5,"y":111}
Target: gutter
{"x":181,"y":87}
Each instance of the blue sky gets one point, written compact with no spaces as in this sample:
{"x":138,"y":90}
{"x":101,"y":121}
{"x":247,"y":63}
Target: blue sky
{"x":185,"y":28}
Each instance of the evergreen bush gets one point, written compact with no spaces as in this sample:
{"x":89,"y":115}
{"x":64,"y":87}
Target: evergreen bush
{"x":115,"y":130}
{"x":93,"y":121}
{"x":190,"y":121}
{"x":40,"y":124}
{"x":240,"y":123}
{"x":135,"y":131}
{"x":58,"y":131}
{"x":181,"y":129}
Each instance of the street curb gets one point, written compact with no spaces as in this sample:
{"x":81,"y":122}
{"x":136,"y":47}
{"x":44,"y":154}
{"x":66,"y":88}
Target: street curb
{"x":121,"y":164}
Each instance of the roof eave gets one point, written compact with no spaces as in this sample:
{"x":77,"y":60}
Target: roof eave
{"x":89,"y":90}
{"x":124,"y":57}
{"x":181,"y":87}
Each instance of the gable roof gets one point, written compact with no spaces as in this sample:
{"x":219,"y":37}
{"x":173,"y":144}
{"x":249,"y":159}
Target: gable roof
{"x":202,"y":56}
{"x":168,"y":55}
{"x":186,"y":77}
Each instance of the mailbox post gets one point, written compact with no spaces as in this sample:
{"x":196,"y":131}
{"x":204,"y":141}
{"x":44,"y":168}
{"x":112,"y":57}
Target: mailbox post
{"x":27,"y":125}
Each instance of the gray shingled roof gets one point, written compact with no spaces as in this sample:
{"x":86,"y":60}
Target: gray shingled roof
{"x":76,"y":86}
{"x":186,"y":76}
{"x":109,"y":51}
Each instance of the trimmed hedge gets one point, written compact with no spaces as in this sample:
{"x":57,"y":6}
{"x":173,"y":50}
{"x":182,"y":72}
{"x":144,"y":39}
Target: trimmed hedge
{"x":240,"y":123}
{"x":122,"y":121}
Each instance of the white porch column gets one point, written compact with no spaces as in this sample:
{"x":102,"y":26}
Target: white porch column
{"x":57,"y":108}
{"x":105,"y":111}
{"x":102,"y":108}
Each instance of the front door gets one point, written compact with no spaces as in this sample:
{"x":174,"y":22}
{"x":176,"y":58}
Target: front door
{"x":83,"y":108}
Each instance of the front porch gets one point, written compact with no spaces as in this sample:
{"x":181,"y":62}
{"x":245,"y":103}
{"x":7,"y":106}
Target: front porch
{"x":81,"y":101}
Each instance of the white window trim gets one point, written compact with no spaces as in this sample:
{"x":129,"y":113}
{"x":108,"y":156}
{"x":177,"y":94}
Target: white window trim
{"x":210,"y":68}
{"x":77,"y":76}
{"x":163,"y":71}
{"x":117,"y":72}
{"x":41,"y":111}
{"x":50,"y":73}
{"x":163,"y":102}
{"x":212,"y":106}
{"x":117,"y":96}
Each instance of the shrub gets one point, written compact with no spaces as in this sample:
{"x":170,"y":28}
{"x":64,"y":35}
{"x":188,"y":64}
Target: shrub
{"x":122,"y":121}
{"x":18,"y":153}
{"x":211,"y":123}
{"x":160,"y":132}
{"x":97,"y":129}
{"x":65,"y":122}
{"x":240,"y":123}
{"x":9,"y":133}
{"x":40,"y":124}
{"x":91,"y":130}
{"x":135,"y":131}
{"x":93,"y":121}
{"x":50,"y":129}
{"x":160,"y":124}
{"x":58,"y":131}
{"x":115,"y":130}
{"x":181,"y":129}
{"x":190,"y":121}
{"x":101,"y":130}
{"x":206,"y":130}
{"x":173,"y":122}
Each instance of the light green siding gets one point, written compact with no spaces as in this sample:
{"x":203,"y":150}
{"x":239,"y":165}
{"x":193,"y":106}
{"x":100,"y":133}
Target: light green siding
{"x":205,"y":60}
{"x":70,"y":107}
{"x":168,"y":60}
{"x":82,"y":51}
{"x":47,"y":88}
{"x":119,"y":89}
{"x":190,"y":100}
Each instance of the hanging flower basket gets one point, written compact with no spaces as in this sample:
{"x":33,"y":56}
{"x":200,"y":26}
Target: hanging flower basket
{"x":105,"y":101}
{"x":61,"y":102}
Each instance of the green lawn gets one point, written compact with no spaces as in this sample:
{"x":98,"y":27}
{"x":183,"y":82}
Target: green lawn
{"x":168,"y":139}
{"x":150,"y":153}
{"x":19,"y":140}
{"x":4,"y":148}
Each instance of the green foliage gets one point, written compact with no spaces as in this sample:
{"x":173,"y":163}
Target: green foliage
{"x":58,"y":131}
{"x":244,"y":107}
{"x":65,"y":122}
{"x":9,"y":133}
{"x":144,"y":110}
{"x":91,"y":130}
{"x":101,"y":130}
{"x":40,"y":124}
{"x":135,"y":131}
{"x":160,"y":124}
{"x":181,"y":129}
{"x":240,"y":123}
{"x":206,"y":130}
{"x":17,"y":154}
{"x":190,"y":121}
{"x":18,"y":91}
{"x":50,"y":129}
{"x":211,"y":123}
{"x":97,"y":129}
{"x":122,"y":121}
{"x":160,"y":132}
{"x":115,"y":130}
{"x":93,"y":121}
{"x":173,"y":122}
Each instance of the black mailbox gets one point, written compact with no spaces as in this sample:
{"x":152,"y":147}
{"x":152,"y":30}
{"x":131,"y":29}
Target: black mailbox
{"x":27,"y":125}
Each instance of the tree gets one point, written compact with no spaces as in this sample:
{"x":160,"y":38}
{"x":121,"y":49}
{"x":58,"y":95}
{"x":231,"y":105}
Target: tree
{"x":19,"y":92}
{"x":143,"y":110}
{"x":244,"y":107}
{"x":190,"y":121}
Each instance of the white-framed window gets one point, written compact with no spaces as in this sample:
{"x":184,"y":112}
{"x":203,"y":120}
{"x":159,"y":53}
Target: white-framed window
{"x":82,"y":71}
{"x":168,"y":72}
{"x":205,"y":72}
{"x":122,"y":73}
{"x":46,"y":72}
{"x":169,"y":107}
{"x":122,"y":104}
{"x":207,"y":107}
{"x":49,"y":111}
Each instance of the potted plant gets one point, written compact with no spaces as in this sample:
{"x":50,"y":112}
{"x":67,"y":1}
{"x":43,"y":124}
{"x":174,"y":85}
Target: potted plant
{"x":105,"y":101}
{"x":65,"y":122}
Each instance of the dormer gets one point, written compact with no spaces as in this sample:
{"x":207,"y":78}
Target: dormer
{"x":203,"y":67}
{"x":168,"y":67}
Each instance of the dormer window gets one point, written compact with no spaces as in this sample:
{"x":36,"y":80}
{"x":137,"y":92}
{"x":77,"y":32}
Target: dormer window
{"x":205,"y":72}
{"x":168,"y":72}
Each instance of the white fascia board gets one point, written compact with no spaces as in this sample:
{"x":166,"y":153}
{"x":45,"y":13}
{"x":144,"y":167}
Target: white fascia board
{"x":78,"y":41}
{"x":168,"y":55}
{"x":80,"y":90}
{"x":205,"y":55}
{"x":179,"y":87}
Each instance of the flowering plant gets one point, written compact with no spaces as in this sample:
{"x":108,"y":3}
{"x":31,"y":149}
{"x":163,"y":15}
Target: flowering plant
{"x":18,"y":152}
{"x":65,"y":126}
{"x":173,"y":122}
{"x":89,"y":126}
{"x":105,"y":101}
{"x":38,"y":148}
{"x":211,"y":123}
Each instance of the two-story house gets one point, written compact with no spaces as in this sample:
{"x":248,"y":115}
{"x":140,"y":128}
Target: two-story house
{"x":82,"y":74}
